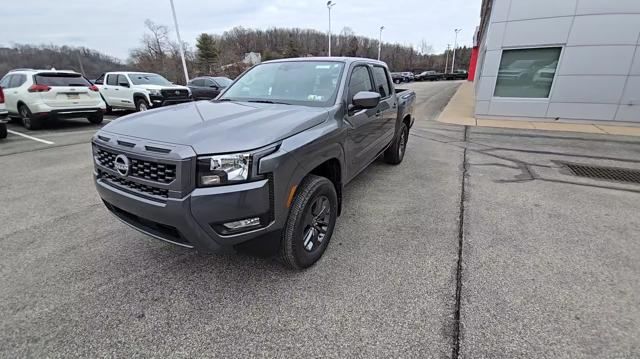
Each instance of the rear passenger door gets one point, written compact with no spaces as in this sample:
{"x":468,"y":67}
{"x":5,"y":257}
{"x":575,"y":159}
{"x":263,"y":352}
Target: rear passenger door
{"x":388,"y":108}
{"x":363,"y":124}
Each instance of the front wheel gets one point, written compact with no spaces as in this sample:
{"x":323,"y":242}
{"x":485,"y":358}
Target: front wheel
{"x":395,"y":153}
{"x":141,"y":105}
{"x":96,"y":118}
{"x":309,"y":227}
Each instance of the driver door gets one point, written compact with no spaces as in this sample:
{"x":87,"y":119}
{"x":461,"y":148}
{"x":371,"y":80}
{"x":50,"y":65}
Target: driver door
{"x":362,"y":126}
{"x":125,"y":92}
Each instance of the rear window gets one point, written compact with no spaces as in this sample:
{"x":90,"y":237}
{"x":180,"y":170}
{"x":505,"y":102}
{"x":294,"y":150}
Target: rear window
{"x":61,"y":79}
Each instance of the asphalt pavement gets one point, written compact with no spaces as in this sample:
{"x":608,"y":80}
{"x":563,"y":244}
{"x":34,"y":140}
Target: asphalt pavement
{"x":479,"y":245}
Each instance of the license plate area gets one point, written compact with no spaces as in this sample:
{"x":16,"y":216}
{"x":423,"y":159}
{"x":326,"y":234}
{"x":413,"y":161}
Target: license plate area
{"x":73,"y":96}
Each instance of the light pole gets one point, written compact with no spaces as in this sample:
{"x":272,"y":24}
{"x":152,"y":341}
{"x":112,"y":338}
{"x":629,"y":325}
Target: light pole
{"x":455,"y":45}
{"x":380,"y":42}
{"x":446,"y":64}
{"x":184,"y":63}
{"x":330,"y":4}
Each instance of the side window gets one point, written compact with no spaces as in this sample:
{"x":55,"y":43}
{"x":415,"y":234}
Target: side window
{"x":99,"y":80}
{"x":382,"y":81}
{"x":122,"y":79}
{"x":17,"y":80}
{"x":198,"y":82}
{"x":112,"y":80}
{"x":209,"y":83}
{"x":360,"y":81}
{"x":4,"y":83}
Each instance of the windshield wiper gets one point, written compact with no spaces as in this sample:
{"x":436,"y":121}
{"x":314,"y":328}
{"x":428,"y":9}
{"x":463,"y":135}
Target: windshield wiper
{"x":268,"y":101}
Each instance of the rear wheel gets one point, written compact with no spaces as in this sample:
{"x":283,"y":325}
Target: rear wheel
{"x":395,"y":153}
{"x":310,"y":224}
{"x":141,"y":105}
{"x":96,"y":118}
{"x":3,"y":130}
{"x":28,"y":121}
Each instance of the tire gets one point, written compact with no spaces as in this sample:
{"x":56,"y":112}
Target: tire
{"x":303,"y":242}
{"x":141,"y":105}
{"x":28,"y":121}
{"x":3,"y":130}
{"x":396,"y":81}
{"x":96,"y":118}
{"x":395,"y":153}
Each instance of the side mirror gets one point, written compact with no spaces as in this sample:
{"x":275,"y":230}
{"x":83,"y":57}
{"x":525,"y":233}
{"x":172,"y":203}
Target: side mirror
{"x":365,"y":100}
{"x":123,"y":84}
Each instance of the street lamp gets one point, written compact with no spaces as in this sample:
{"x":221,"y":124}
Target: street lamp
{"x":455,"y":45}
{"x":330,"y":4}
{"x":446,"y":64}
{"x":380,"y":42}
{"x":184,"y":63}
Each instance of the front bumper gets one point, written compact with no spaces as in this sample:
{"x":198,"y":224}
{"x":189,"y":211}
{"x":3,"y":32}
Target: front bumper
{"x":160,"y":101}
{"x":193,"y":221}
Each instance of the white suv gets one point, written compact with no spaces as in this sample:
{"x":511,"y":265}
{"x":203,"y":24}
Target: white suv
{"x":37,"y":95}
{"x":140,"y":91}
{"x":3,"y":115}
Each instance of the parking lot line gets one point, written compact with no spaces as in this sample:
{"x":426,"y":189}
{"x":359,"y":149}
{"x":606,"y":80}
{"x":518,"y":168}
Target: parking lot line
{"x":30,"y":137}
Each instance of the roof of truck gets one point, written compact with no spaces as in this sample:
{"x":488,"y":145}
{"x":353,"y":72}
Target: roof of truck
{"x":347,"y":60}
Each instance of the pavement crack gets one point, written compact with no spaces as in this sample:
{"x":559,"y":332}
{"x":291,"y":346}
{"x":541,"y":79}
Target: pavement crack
{"x":463,"y":194}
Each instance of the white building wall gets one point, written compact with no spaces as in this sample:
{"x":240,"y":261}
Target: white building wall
{"x":598,"y":74}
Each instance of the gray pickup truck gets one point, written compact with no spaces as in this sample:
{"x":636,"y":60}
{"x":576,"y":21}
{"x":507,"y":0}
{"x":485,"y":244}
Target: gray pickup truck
{"x":261,"y":166}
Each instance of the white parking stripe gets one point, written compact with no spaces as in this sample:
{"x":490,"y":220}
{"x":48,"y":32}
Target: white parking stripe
{"x":30,"y":137}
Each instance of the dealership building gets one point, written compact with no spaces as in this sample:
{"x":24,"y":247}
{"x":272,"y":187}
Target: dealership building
{"x":558,"y":60}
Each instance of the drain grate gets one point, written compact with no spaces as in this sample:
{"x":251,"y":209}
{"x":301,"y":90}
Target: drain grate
{"x":606,"y":173}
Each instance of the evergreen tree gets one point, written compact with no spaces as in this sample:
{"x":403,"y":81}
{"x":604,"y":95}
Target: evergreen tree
{"x":207,"y":52}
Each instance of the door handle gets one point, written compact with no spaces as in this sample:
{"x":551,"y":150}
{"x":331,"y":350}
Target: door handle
{"x":394,"y":106}
{"x":117,"y":89}
{"x":378,"y":113}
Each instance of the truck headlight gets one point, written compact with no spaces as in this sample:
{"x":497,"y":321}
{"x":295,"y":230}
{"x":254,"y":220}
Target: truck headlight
{"x":154,"y":92}
{"x":224,"y":169}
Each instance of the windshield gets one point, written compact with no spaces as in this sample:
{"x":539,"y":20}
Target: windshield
{"x":223,"y":81}
{"x":148,"y":79}
{"x":308,"y":83}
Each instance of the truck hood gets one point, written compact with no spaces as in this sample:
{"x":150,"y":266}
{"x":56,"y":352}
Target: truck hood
{"x":219,"y":127}
{"x":162,"y":87}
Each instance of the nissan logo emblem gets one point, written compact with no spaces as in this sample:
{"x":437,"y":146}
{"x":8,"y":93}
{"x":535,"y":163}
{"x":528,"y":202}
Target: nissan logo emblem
{"x":177,"y":92}
{"x":121,"y":164}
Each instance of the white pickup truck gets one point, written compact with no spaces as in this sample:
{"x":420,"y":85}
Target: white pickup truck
{"x":139,"y":91}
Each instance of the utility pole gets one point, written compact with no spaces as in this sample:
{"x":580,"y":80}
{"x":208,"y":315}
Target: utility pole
{"x":455,"y":45}
{"x":330,"y":4}
{"x":184,"y":63}
{"x":446,"y":64}
{"x":380,"y":42}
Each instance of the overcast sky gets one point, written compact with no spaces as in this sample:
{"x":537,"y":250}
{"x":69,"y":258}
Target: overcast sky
{"x":116,"y":26}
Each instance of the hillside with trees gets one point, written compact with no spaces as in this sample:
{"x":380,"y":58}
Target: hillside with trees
{"x":79,"y":59}
{"x":222,"y":54}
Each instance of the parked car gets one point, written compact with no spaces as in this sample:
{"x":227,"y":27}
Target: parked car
{"x":456,"y":75}
{"x":3,"y":116}
{"x":38,"y":95}
{"x":544,"y":76}
{"x":140,"y":91}
{"x":429,"y":76}
{"x":207,"y":87}
{"x":408,"y":76}
{"x":265,"y":164}
{"x":397,"y":77}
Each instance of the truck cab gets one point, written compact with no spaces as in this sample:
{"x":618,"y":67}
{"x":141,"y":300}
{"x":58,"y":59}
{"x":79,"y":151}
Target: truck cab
{"x":140,"y":91}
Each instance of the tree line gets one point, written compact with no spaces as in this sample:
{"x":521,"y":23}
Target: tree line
{"x":222,"y":54}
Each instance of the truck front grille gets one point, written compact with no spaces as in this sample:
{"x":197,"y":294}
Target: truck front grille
{"x":130,"y":185}
{"x":152,"y":171}
{"x":175,"y":94}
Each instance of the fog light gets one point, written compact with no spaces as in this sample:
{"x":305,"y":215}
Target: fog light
{"x":210,"y":180}
{"x":243,"y":223}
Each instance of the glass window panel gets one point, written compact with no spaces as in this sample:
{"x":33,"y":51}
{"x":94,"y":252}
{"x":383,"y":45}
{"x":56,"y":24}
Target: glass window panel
{"x":527,"y":73}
